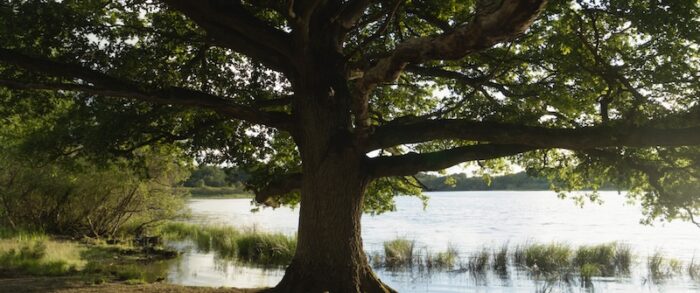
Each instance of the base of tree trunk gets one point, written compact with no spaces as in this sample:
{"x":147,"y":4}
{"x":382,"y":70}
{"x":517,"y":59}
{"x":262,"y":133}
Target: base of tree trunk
{"x":337,"y":280}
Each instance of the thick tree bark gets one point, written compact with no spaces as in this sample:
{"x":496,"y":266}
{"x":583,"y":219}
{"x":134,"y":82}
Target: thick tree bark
{"x":330,"y":255}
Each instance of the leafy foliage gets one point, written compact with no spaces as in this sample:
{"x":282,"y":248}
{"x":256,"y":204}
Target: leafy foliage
{"x":583,"y":63}
{"x":61,"y":191}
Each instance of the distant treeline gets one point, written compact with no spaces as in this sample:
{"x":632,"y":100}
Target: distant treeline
{"x":213,"y":176}
{"x":460,"y":182}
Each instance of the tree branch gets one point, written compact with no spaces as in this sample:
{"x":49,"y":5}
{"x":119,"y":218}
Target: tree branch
{"x":410,"y":164}
{"x":489,"y":27}
{"x":351,"y":12}
{"x":231,"y":26}
{"x":535,"y":136}
{"x":279,"y":187}
{"x":105,"y":85}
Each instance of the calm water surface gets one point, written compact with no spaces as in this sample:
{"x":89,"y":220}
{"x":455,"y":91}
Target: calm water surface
{"x":467,"y":221}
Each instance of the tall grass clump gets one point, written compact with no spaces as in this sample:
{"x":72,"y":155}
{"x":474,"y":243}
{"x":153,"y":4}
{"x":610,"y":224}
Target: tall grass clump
{"x":694,"y":270}
{"x":602,"y":260}
{"x":229,"y":243}
{"x":399,"y":253}
{"x":266,"y":249}
{"x":538,"y":257}
{"x":442,"y":260}
{"x":661,"y":267}
{"x":608,"y":259}
{"x":623,"y":258}
{"x":500,"y":260}
{"x":478,"y":262}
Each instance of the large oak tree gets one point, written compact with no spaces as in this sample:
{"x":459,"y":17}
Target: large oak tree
{"x":335,"y":105}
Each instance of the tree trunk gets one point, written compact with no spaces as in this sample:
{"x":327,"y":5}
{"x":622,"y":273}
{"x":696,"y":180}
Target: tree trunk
{"x":329,"y":255}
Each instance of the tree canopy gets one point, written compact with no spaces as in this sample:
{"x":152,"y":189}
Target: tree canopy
{"x":362,"y":95}
{"x":614,"y":81}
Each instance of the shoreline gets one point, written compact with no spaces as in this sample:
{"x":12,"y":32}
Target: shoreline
{"x":73,"y":284}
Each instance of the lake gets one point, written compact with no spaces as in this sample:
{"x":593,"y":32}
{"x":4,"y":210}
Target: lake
{"x":467,"y":221}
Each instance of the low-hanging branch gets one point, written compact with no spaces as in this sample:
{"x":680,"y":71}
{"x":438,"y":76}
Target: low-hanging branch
{"x":106,"y":85}
{"x":535,"y":136}
{"x":412,"y":163}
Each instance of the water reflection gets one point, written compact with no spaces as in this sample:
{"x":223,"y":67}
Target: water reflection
{"x":468,"y":221}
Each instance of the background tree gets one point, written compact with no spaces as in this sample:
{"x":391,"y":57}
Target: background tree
{"x":68,"y":193}
{"x":206,"y":175}
{"x":332,"y":104}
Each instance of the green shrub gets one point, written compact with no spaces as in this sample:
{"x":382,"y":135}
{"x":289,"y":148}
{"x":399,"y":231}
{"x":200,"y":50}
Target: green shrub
{"x":79,"y":197}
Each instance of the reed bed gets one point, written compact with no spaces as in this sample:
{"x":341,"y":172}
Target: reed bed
{"x":249,"y":246}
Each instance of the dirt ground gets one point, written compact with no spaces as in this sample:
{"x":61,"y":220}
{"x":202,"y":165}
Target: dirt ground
{"x":73,"y":285}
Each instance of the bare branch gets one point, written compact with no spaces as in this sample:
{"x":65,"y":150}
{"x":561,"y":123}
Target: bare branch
{"x":410,"y":164}
{"x":105,"y":85}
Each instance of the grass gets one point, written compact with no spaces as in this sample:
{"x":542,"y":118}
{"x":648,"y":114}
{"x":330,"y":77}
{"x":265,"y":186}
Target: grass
{"x":266,"y":249}
{"x":603,"y":259}
{"x":587,"y":271}
{"x":546,"y":258}
{"x":401,"y":253}
{"x":694,"y":270}
{"x":218,"y":192}
{"x":661,"y":267}
{"x":398,"y":253}
{"x":37,"y":255}
{"x":479,"y":261}
{"x":500,"y":260}
{"x":442,"y":260}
